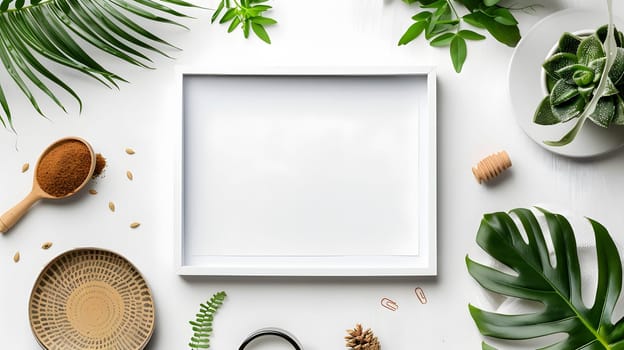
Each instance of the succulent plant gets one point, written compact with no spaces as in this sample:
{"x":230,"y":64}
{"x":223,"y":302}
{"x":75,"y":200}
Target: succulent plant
{"x":573,"y":73}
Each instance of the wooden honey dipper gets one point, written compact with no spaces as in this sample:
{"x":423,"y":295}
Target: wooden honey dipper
{"x":491,"y":166}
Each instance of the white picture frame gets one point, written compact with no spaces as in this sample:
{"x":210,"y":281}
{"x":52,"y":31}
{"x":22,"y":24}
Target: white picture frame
{"x":376,"y":117}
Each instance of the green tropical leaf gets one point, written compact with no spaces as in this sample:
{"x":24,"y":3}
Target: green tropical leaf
{"x":228,"y":16}
{"x":422,"y":16}
{"x":235,"y":23}
{"x":265,"y":21}
{"x":458,"y":53}
{"x":439,"y":27}
{"x":217,"y":12}
{"x":35,"y":33}
{"x":447,"y":23}
{"x":260,"y":32}
{"x":473,"y":20}
{"x":506,"y":34}
{"x":443,"y":40}
{"x":504,"y":17}
{"x":246,"y":25}
{"x":260,"y":8}
{"x":555,"y":285}
{"x":412,"y":32}
{"x":436,"y":24}
{"x":470,"y":35}
{"x":202,"y":325}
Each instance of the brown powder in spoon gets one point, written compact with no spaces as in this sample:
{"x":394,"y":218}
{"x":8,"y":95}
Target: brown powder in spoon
{"x":64,"y":168}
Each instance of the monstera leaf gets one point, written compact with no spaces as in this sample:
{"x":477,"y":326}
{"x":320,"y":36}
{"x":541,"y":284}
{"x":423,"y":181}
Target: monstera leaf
{"x":36,"y":33}
{"x":556,"y":285}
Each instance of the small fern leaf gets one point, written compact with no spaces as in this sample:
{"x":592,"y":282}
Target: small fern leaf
{"x":202,"y":325}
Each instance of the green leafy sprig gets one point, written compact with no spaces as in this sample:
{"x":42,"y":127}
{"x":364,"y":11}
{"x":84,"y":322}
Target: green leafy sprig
{"x":202,"y":325}
{"x":35,"y":33}
{"x":442,"y":25}
{"x":556,"y":285}
{"x":248,"y":14}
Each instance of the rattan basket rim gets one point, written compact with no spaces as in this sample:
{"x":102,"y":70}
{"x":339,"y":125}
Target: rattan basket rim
{"x":79,"y":249}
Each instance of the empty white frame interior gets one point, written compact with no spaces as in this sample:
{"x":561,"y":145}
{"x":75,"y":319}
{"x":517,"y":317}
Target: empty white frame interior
{"x":307,"y":173}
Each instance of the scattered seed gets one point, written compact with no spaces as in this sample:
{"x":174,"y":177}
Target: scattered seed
{"x":92,"y":191}
{"x":46,"y":245}
{"x":129,"y":175}
{"x":111,"y":206}
{"x":135,"y":225}
{"x":25,"y":167}
{"x":130,"y":151}
{"x":16,"y":257}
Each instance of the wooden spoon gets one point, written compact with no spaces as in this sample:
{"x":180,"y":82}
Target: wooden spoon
{"x":12,"y":216}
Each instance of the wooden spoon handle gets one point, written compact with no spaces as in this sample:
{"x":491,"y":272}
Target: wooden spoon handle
{"x":12,"y":216}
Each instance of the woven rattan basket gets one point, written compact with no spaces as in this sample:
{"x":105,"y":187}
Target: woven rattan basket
{"x":91,"y":299}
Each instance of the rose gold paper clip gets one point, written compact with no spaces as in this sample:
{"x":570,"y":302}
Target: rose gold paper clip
{"x":420,"y":294}
{"x":389,"y":304}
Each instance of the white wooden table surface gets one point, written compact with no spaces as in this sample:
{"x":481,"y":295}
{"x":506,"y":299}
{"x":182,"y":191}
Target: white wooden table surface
{"x":474,"y":119}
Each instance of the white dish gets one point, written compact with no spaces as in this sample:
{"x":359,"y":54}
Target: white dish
{"x":307,"y":172}
{"x":525,"y":86}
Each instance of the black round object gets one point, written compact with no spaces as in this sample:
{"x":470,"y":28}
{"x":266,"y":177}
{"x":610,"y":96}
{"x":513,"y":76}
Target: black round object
{"x":274,"y":332}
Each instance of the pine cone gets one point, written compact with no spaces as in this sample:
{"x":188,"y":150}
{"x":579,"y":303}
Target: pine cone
{"x":358,"y":339}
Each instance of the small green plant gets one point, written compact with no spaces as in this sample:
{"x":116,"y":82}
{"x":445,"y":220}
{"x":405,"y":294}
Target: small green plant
{"x":551,"y":279}
{"x":573,"y":74}
{"x":248,"y":14}
{"x":202,"y":325}
{"x":442,"y":25}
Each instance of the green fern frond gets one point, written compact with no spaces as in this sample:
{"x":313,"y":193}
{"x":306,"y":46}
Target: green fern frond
{"x":33,"y":32}
{"x":202,"y":325}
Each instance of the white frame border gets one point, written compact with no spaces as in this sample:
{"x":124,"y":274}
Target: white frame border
{"x":424,"y":264}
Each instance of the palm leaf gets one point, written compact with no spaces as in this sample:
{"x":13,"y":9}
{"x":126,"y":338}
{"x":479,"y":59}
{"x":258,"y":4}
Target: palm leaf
{"x":35,"y":32}
{"x":556,"y":286}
